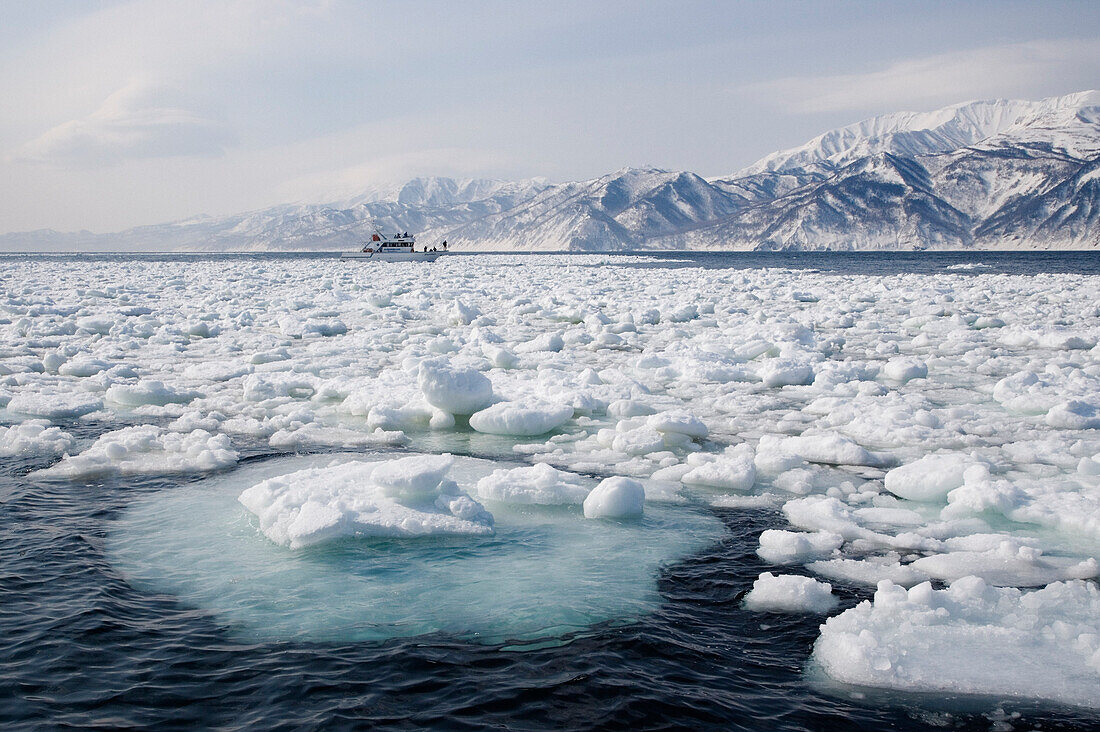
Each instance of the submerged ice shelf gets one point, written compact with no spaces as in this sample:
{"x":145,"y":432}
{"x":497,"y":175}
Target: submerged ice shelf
{"x":526,"y":572}
{"x":910,"y":429}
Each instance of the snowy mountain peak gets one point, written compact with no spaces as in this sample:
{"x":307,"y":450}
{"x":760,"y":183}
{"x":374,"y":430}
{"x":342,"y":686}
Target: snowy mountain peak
{"x":993,"y":174}
{"x":943,"y":130}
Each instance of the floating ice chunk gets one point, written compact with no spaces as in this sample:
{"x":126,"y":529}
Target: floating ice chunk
{"x":622,"y":408}
{"x":771,"y":458}
{"x":98,"y":324}
{"x":35,"y":437}
{"x":54,"y":405}
{"x":787,"y":547}
{"x":904,"y":369}
{"x":1062,"y":340}
{"x":980,"y":493}
{"x":681,"y":314}
{"x":261,"y":387}
{"x":499,"y":357}
{"x":539,"y":484}
{"x":312,"y":434}
{"x":216,"y":371}
{"x":930,"y":478}
{"x":889,"y":516}
{"x":734,"y":472}
{"x":789,"y":593}
{"x":1027,"y":392}
{"x":415,"y":478}
{"x":148,"y":392}
{"x":519,"y":418}
{"x":1010,"y":564}
{"x":146,"y":450}
{"x":463,"y":314}
{"x":1089,"y":466}
{"x":295,"y":328}
{"x":831,"y":448}
{"x":786,"y":372}
{"x":987,"y":321}
{"x":272,"y":356}
{"x":639,"y":441}
{"x":552,"y":342}
{"x":616,"y":497}
{"x":869,"y":571}
{"x":1074,"y":415}
{"x":400,"y":498}
{"x":682,"y":423}
{"x":83,"y":367}
{"x":971,"y":639}
{"x":457,"y":391}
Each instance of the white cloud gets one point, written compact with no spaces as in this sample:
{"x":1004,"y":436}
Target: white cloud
{"x":137,"y":121}
{"x":1011,"y":70}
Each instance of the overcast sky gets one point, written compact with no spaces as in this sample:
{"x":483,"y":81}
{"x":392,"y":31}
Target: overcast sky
{"x":116,"y":114}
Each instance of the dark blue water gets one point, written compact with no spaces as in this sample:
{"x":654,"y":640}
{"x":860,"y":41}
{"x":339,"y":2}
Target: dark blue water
{"x":81,"y":648}
{"x":867,"y":263}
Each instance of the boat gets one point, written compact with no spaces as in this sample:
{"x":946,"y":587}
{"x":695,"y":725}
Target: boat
{"x":396,"y":248}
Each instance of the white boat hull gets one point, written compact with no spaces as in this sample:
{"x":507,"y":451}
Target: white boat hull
{"x":393,"y":256}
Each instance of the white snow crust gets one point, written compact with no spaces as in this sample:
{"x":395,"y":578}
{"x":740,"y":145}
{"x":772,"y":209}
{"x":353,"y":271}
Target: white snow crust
{"x":33,"y":437}
{"x":616,"y":498}
{"x":539,"y":484}
{"x":146,"y":450}
{"x":789,"y":593}
{"x":406,"y":497}
{"x":971,"y":638}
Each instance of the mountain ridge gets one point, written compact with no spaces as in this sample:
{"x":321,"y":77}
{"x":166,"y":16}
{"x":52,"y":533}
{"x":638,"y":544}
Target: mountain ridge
{"x":977,"y":175}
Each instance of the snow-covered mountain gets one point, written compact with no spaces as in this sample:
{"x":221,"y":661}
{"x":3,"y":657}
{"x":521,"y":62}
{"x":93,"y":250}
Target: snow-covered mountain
{"x":995,"y":174}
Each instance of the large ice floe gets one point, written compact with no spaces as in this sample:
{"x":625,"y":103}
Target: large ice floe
{"x":374,"y":547}
{"x":912,"y":429}
{"x":970,"y":638}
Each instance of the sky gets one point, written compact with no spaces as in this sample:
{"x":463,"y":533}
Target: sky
{"x":117,"y":114}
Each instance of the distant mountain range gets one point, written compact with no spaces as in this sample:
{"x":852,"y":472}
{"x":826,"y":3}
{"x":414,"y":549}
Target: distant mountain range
{"x":1002,"y":174}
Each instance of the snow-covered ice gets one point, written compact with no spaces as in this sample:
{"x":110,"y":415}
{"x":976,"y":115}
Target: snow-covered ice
{"x":616,"y":498}
{"x":971,"y":638}
{"x":790,"y":593}
{"x":540,"y":484}
{"x":33,"y":437}
{"x":902,"y":427}
{"x":524,"y":420}
{"x":146,"y":450}
{"x":404,"y":497}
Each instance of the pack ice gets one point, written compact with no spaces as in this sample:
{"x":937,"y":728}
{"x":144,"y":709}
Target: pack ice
{"x":908,"y":428}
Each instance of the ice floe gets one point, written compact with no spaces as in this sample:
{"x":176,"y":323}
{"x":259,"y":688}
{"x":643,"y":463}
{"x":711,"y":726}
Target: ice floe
{"x":540,"y":484}
{"x":523,"y":420}
{"x":789,"y":593}
{"x":406,"y":497}
{"x":146,"y":450}
{"x":34,"y":437}
{"x":616,"y":498}
{"x":971,"y":638}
